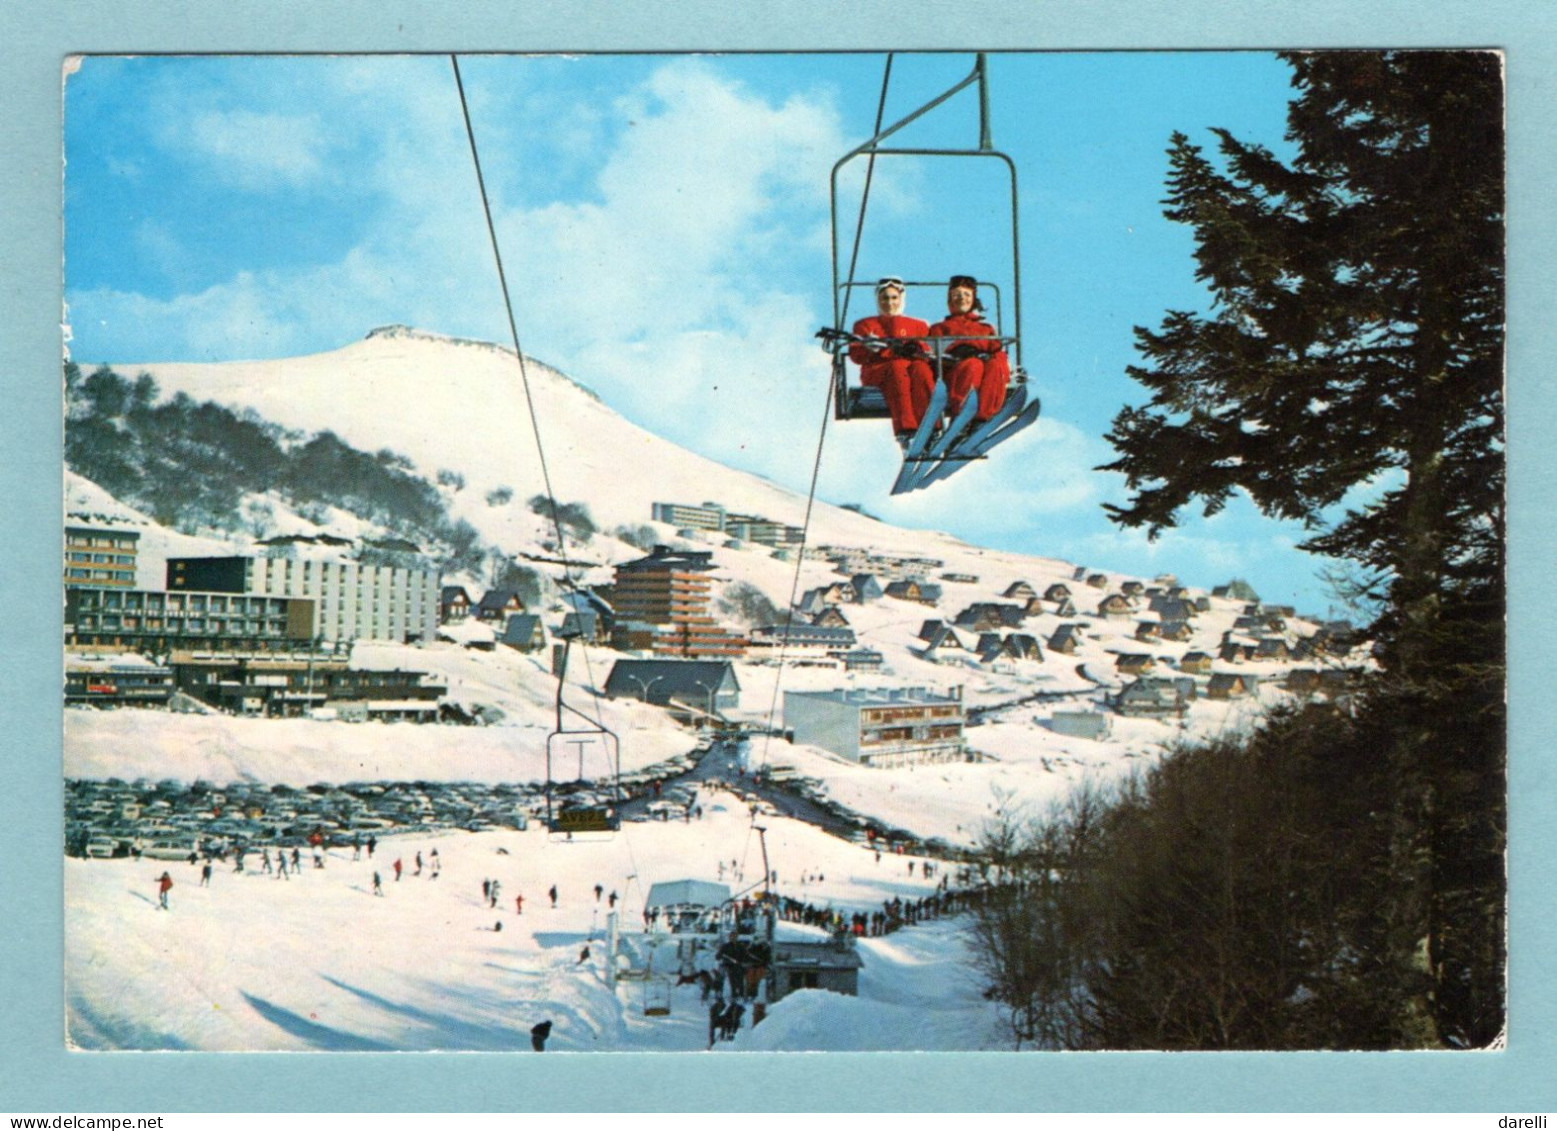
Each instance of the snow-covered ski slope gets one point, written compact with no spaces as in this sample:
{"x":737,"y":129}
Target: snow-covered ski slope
{"x":319,"y":962}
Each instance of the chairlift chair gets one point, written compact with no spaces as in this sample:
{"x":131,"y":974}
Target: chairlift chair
{"x":930,"y":458}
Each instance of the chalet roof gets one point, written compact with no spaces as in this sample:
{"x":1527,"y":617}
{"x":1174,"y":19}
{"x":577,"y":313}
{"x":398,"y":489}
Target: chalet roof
{"x":496,"y":600}
{"x":674,"y":677}
{"x":449,"y":592}
{"x":521,"y":627}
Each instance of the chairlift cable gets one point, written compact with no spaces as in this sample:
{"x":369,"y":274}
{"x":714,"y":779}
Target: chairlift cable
{"x":524,"y":376}
{"x":827,"y":408}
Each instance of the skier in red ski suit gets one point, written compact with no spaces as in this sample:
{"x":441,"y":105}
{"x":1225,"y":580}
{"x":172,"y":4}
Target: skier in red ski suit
{"x":890,"y":360}
{"x":977,"y":364}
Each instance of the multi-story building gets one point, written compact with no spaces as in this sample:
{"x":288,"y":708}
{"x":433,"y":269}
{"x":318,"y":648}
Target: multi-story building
{"x":100,"y":556}
{"x":709,"y":516}
{"x":671,"y":590}
{"x":355,"y":601}
{"x":118,"y":680}
{"x":151,"y":620}
{"x":881,"y":727}
{"x":298,"y":684}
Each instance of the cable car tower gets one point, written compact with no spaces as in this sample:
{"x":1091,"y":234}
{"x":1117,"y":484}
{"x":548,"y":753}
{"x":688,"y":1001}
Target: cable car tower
{"x":940,"y":448}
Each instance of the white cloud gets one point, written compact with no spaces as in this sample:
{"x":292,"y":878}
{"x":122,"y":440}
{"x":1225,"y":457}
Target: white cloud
{"x":255,"y":150}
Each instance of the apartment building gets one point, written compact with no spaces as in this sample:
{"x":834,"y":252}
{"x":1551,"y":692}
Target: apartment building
{"x":100,"y":556}
{"x":155,"y":621}
{"x":880,"y":727}
{"x":355,"y":601}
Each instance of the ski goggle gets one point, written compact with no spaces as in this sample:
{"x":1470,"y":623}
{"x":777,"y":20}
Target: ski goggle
{"x":888,"y":281}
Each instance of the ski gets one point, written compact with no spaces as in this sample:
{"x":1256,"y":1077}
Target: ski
{"x":932,"y":455}
{"x":914,"y":453}
{"x":985,"y":438}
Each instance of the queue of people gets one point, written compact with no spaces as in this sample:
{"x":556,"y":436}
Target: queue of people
{"x":898,"y":355}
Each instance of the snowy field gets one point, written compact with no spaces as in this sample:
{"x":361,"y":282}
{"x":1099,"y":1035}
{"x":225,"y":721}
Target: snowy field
{"x":317,"y":961}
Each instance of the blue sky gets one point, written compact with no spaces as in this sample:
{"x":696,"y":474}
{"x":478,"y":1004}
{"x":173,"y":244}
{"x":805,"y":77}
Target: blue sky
{"x":665,"y":227}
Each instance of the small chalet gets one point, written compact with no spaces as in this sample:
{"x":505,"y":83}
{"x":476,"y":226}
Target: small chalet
{"x":1171,"y":608}
{"x":499,"y":604}
{"x":1237,"y":651}
{"x":1065,"y":639}
{"x":525,"y":632}
{"x":866,"y":588}
{"x":1064,"y":607}
{"x":987,"y":615}
{"x":1098,"y":580}
{"x":1198,"y":663}
{"x":1080,"y":574}
{"x":1014,"y":646}
{"x":831,"y":616}
{"x":1236,"y":590}
{"x":1135,"y":663}
{"x":921,"y":592}
{"x":1020,"y":591}
{"x":1132,"y":589}
{"x":1154,"y":696}
{"x":1272,"y":648}
{"x":1115,"y":605}
{"x":453,"y":604}
{"x":929,"y":627}
{"x":1177,"y":631}
{"x":1201,"y":604}
{"x":943,"y":639}
{"x":1148,"y":630}
{"x":961,"y":578}
{"x":1059,"y":591}
{"x":1226,"y":685}
{"x":587,"y":627}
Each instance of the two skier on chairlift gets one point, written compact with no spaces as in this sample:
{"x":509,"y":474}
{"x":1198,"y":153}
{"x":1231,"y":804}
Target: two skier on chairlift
{"x":897,"y":354}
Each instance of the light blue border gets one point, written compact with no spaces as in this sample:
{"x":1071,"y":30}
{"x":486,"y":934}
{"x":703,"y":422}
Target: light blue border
{"x":37,"y":1075}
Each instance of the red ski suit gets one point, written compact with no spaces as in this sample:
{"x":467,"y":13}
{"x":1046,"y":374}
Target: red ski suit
{"x":989,"y":377}
{"x":904,"y":382}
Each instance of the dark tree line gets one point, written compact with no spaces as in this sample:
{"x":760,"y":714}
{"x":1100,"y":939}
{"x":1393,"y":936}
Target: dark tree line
{"x":189,"y":464}
{"x":1336,"y":879}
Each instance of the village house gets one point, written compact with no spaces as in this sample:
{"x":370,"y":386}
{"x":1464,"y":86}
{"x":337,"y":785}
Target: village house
{"x":1098,"y":580}
{"x":1272,"y":648}
{"x":1234,"y":651}
{"x":1236,"y":590}
{"x":524,"y":632}
{"x":453,"y":604}
{"x":921,"y":592}
{"x":1177,"y":631}
{"x":1156,"y":696}
{"x":1230,"y":685}
{"x":1132,"y":589}
{"x":942,"y":638}
{"x":1059,"y":591}
{"x":961,"y":578}
{"x":497,"y":605}
{"x":866,"y":588}
{"x":831,"y":616}
{"x":1148,"y":630}
{"x":1198,"y":663}
{"x":1134,"y":663}
{"x":1065,"y":639}
{"x":1019,"y":591}
{"x":1115,"y":605}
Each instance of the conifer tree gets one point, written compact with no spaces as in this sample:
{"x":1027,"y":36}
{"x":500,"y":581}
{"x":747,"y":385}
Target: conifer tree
{"x":1348,"y":375}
